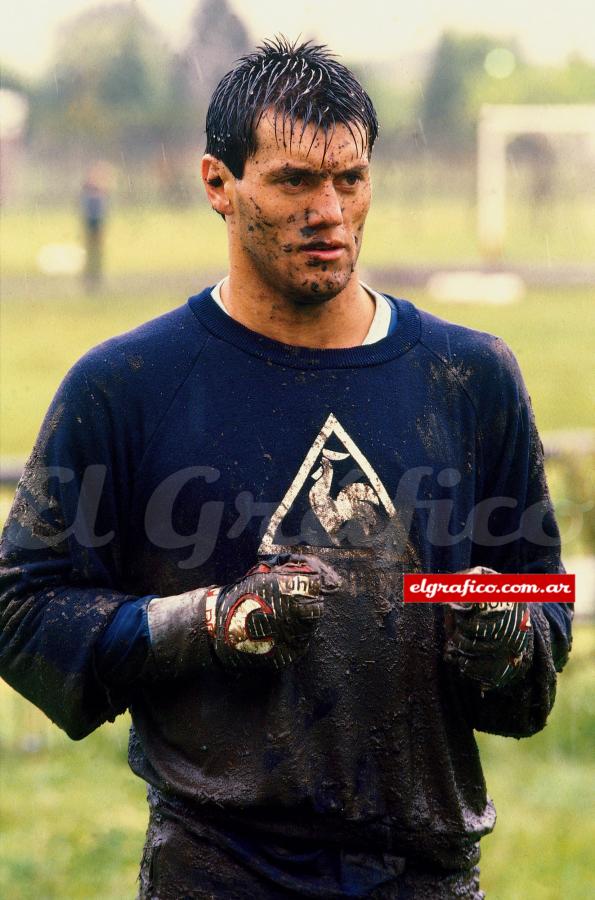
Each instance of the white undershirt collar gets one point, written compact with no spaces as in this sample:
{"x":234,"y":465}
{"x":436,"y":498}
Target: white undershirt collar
{"x":378,"y":328}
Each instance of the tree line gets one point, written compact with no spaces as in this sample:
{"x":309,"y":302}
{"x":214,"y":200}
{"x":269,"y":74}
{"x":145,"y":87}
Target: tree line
{"x":115,"y":88}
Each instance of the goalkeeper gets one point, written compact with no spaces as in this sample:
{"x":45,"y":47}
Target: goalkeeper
{"x":214,"y":524}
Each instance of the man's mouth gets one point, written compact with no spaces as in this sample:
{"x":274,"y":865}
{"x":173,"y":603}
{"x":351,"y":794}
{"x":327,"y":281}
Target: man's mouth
{"x":323,"y":250}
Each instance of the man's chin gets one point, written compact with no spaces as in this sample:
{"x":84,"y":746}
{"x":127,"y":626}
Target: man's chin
{"x":316,"y":291}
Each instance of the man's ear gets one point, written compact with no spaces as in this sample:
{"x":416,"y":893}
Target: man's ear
{"x":216,"y":176}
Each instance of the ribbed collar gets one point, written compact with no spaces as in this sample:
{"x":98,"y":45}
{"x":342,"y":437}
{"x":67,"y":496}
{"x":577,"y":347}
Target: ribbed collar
{"x":227,"y":329}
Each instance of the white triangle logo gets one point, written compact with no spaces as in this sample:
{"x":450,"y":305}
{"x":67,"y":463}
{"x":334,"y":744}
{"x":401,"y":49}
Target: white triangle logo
{"x":358,"y":501}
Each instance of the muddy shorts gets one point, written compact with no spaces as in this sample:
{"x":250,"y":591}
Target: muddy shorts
{"x":179,"y":864}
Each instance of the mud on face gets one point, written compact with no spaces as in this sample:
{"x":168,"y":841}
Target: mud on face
{"x":300,"y":209}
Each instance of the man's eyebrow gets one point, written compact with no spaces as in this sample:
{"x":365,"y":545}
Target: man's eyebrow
{"x":293,"y":170}
{"x":356,"y":169}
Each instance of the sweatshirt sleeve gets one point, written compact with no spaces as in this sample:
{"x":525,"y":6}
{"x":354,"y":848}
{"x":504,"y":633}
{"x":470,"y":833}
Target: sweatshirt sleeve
{"x":123,"y":651}
{"x":516,"y":531}
{"x":61,"y":556}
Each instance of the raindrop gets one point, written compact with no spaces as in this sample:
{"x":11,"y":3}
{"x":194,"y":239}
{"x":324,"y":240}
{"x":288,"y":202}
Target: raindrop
{"x":422,"y":132}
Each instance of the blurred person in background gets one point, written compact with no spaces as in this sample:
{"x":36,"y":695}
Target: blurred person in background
{"x":94,"y":194}
{"x":215,"y":522}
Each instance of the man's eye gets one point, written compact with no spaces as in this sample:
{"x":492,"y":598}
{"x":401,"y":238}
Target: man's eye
{"x":351,"y":178}
{"x":295,"y":181}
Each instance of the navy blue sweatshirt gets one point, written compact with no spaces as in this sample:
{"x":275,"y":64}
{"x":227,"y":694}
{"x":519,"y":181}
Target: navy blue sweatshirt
{"x":174,"y":455}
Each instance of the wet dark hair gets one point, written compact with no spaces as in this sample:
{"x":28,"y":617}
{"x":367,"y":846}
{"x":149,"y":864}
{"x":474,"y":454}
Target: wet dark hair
{"x":300,"y":83}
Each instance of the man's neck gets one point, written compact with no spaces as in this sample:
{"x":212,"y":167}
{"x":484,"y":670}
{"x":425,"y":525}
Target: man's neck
{"x":341,"y":322}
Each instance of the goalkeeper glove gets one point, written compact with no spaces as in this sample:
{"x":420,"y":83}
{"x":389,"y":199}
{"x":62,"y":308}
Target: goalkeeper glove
{"x":489,"y":643}
{"x":265,"y":619}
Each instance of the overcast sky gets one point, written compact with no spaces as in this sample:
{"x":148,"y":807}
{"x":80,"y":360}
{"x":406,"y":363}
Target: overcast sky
{"x":547,"y":31}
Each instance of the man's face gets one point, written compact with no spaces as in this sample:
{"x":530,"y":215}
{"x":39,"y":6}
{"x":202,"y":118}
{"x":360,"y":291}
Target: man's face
{"x":299,"y":213}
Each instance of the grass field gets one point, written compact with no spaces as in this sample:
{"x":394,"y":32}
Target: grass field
{"x":402,"y":230}
{"x":73,"y":816}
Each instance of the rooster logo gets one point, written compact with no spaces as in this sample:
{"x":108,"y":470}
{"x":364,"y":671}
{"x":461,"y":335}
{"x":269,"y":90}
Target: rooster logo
{"x":333,"y":502}
{"x":355,"y":502}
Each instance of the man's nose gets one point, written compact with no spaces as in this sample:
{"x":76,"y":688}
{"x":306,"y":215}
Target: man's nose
{"x":325,"y":208}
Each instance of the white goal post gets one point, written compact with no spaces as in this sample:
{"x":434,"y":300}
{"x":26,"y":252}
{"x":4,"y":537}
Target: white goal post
{"x":497,"y":125}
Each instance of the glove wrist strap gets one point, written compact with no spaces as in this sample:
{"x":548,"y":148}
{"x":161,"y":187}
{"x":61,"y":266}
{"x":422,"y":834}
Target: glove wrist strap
{"x":180,"y":643}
